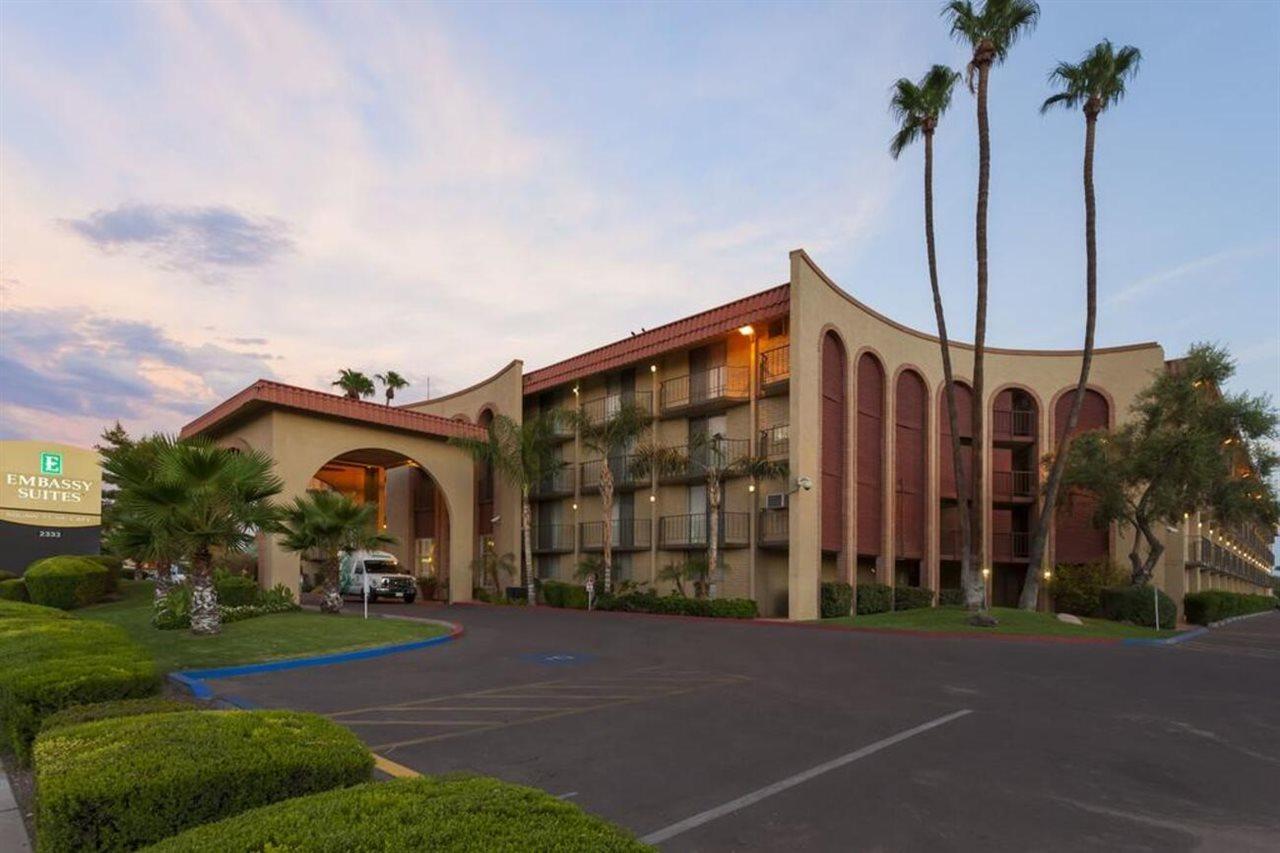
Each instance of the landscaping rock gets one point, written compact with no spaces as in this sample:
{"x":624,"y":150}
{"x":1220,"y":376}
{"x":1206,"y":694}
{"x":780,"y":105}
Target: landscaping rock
{"x":983,"y":619}
{"x":1070,"y":619}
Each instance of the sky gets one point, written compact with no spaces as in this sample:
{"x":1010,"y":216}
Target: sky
{"x":196,"y":196}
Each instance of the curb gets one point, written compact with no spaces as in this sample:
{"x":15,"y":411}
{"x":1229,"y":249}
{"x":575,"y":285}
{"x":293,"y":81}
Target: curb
{"x":1231,"y":619}
{"x":1167,"y":641}
{"x":13,"y":829}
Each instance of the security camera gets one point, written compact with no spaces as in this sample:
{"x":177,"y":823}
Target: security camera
{"x":804,"y":483}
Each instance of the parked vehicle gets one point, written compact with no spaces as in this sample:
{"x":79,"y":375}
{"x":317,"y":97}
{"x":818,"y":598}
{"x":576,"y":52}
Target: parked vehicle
{"x":384,"y":576}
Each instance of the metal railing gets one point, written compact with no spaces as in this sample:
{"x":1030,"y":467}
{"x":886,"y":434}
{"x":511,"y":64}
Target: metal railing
{"x":1006,"y":485}
{"x":775,"y":365}
{"x":558,"y":482}
{"x":601,"y":409}
{"x":775,"y":527}
{"x":698,"y":459}
{"x":690,"y":531}
{"x":552,"y":538}
{"x":623,"y":469}
{"x":629,"y":534}
{"x":719,"y":384}
{"x":1015,"y":545}
{"x":1013,"y":423}
{"x":775,"y":442}
{"x":1208,"y":554}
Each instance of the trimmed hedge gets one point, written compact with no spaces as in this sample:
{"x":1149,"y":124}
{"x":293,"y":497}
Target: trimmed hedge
{"x":22,"y":610}
{"x":1134,"y":604}
{"x":951,"y":598}
{"x":114,"y":566}
{"x":121,"y":783}
{"x":77,"y":714}
{"x":676,"y":605}
{"x":66,"y":582}
{"x":1214,"y":605}
{"x":561,"y":594}
{"x":836,"y":599}
{"x":235,"y":590}
{"x":1077,"y":588}
{"x":912,"y":597}
{"x":874,"y":598}
{"x":7,"y":576}
{"x":14,"y":590}
{"x":53,"y":663}
{"x":456,"y":814}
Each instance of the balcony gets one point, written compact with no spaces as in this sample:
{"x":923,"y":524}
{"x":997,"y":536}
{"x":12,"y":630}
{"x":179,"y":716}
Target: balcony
{"x":563,"y":429}
{"x":775,"y":369}
{"x":552,"y":538}
{"x":1011,"y":546}
{"x":557,"y":484}
{"x":629,"y":534}
{"x":625,"y":477}
{"x":775,"y":528}
{"x":1013,"y":425}
{"x":698,"y":459}
{"x":949,"y":547}
{"x":775,"y":442}
{"x":1013,"y":486}
{"x":600,"y":409}
{"x":689,"y":532}
{"x":705,"y":391}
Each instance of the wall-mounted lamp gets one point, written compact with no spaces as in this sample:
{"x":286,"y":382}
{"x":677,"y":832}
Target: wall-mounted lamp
{"x":751,"y":487}
{"x":746,"y":331}
{"x":986,"y":572}
{"x":1048,"y":575}
{"x":575,"y":390}
{"x":575,"y":507}
{"x":653,"y":368}
{"x":653,"y":498}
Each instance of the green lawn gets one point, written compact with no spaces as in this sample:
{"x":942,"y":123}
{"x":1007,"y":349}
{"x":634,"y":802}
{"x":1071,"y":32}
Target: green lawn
{"x":1012,"y":621}
{"x":281,"y":635}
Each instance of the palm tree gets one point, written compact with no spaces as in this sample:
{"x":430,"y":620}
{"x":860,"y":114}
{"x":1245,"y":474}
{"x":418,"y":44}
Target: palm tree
{"x":524,"y":454}
{"x":354,"y":384}
{"x":329,"y":524}
{"x":1095,"y":83}
{"x":612,"y":437}
{"x":391,"y":383}
{"x":918,"y":107}
{"x":140,"y":536}
{"x":990,"y":31}
{"x":204,"y":498}
{"x":492,"y":568}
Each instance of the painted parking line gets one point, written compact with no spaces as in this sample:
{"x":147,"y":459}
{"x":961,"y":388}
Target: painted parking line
{"x":681,"y":827}
{"x":389,"y":767}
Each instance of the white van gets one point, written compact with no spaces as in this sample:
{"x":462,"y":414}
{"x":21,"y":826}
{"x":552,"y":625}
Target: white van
{"x":383,"y":571}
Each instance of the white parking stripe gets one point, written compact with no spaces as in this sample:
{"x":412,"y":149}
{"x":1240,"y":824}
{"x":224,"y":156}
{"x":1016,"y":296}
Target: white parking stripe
{"x":669,"y":832}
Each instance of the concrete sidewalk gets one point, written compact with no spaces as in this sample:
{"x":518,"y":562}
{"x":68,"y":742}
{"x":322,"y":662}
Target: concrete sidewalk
{"x":13,"y":832}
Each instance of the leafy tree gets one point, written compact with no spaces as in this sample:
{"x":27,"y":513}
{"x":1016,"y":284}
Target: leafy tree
{"x":354,"y":384}
{"x":326,"y":525}
{"x":918,"y":107}
{"x":990,"y":30}
{"x":1188,"y":447}
{"x":492,"y":569}
{"x":523,"y":453}
{"x":1095,"y":83}
{"x":391,"y":383}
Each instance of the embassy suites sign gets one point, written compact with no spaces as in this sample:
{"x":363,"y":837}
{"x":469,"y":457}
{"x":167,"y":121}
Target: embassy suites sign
{"x":50,"y":501}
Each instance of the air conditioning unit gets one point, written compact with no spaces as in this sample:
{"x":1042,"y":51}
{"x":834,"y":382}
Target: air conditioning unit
{"x":777,"y":500}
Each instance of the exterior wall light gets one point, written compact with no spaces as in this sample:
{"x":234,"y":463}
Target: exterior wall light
{"x":751,"y":487}
{"x":653,"y":498}
{"x":653,"y":368}
{"x":986,"y":572}
{"x":746,"y":331}
{"x":1048,"y":575}
{"x":575,"y":507}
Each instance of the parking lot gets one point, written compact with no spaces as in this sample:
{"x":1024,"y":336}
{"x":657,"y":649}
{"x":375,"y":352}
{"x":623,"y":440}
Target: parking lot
{"x":712,"y":735}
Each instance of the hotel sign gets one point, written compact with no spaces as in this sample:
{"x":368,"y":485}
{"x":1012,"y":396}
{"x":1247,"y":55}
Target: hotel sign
{"x":50,"y":501}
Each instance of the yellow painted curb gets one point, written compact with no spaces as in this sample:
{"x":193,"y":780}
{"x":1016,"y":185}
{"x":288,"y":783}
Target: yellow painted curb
{"x":389,"y":767}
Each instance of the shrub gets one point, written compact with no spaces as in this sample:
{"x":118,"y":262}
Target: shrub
{"x":14,"y":590}
{"x":1077,"y":588}
{"x":1205,"y":608}
{"x":7,"y":576}
{"x":125,"y":782}
{"x":22,"y":610}
{"x":912,"y":597}
{"x":66,"y":582}
{"x":836,"y":599}
{"x":428,"y":586}
{"x":458,"y":814}
{"x":678,"y":605}
{"x":77,"y":714}
{"x":1134,"y":604}
{"x":235,"y":590}
{"x":874,"y":598}
{"x":114,"y":566}
{"x":174,"y":610}
{"x":54,"y":663}
{"x":950,"y":597}
{"x":560,"y":594}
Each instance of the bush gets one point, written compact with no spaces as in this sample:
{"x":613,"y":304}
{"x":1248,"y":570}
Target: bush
{"x":457,"y":814}
{"x":836,"y":599}
{"x":560,"y":594}
{"x":950,"y":597}
{"x":14,"y":590}
{"x":53,"y":663}
{"x":874,"y":598}
{"x":66,"y":582}
{"x":1134,"y":604}
{"x":21,"y":610}
{"x":677,"y":605}
{"x":1078,"y":588}
{"x":912,"y":597}
{"x":77,"y":714}
{"x":235,"y":590}
{"x":174,"y":610}
{"x":122,"y":783}
{"x":7,"y":576}
{"x":114,"y":566}
{"x":1214,"y":605}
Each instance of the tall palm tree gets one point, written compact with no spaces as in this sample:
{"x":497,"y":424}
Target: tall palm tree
{"x":1095,"y":83}
{"x":918,"y":107}
{"x":524,"y":454}
{"x":204,"y":498}
{"x":612,"y":437}
{"x":354,"y":384}
{"x":990,"y":31}
{"x":391,"y":383}
{"x":130,"y":467}
{"x":329,"y":524}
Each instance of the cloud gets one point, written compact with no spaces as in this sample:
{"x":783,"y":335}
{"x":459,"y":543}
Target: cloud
{"x":1147,"y":284}
{"x":247,"y":342}
{"x":200,"y":239}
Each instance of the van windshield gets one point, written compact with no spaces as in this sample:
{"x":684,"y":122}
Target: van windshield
{"x":383,"y":567}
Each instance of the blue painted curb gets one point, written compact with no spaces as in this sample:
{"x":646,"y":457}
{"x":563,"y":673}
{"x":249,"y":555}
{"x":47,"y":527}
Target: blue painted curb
{"x":1167,"y":641}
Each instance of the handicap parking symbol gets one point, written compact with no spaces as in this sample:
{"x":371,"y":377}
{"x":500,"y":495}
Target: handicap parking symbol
{"x":557,"y":658}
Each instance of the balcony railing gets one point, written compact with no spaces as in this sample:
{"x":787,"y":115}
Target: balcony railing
{"x":1015,"y":545}
{"x":629,"y":534}
{"x":775,"y":442}
{"x":698,"y":459}
{"x":775,"y":528}
{"x":690,"y":531}
{"x":949,"y":547}
{"x":556,"y":484}
{"x":601,"y":409}
{"x":552,"y":538}
{"x":1208,"y":554}
{"x":1013,"y":485}
{"x":775,"y":366}
{"x":563,"y":428}
{"x":1014,"y":423}
{"x":706,"y":389}
{"x":623,"y":469}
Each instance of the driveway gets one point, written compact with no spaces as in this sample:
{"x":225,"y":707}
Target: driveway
{"x":715,"y":735}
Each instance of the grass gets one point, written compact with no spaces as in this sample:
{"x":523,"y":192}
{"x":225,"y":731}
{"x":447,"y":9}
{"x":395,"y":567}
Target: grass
{"x":1012,"y":621}
{"x":280,"y":635}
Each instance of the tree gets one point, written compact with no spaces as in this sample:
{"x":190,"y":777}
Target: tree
{"x":354,"y":384}
{"x":130,"y":467}
{"x":918,"y":107}
{"x":115,"y":441}
{"x":328,"y":525}
{"x":612,"y":437}
{"x":523,"y":453}
{"x":1097,"y":82}
{"x":204,"y":498}
{"x":391,"y":383}
{"x":492,"y":568}
{"x":990,"y":31}
{"x":1188,"y":447}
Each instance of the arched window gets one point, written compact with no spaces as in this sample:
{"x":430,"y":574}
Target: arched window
{"x":834,"y":452}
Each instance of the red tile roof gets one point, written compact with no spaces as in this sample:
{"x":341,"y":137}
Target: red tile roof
{"x":265,"y":393}
{"x":756,"y":308}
